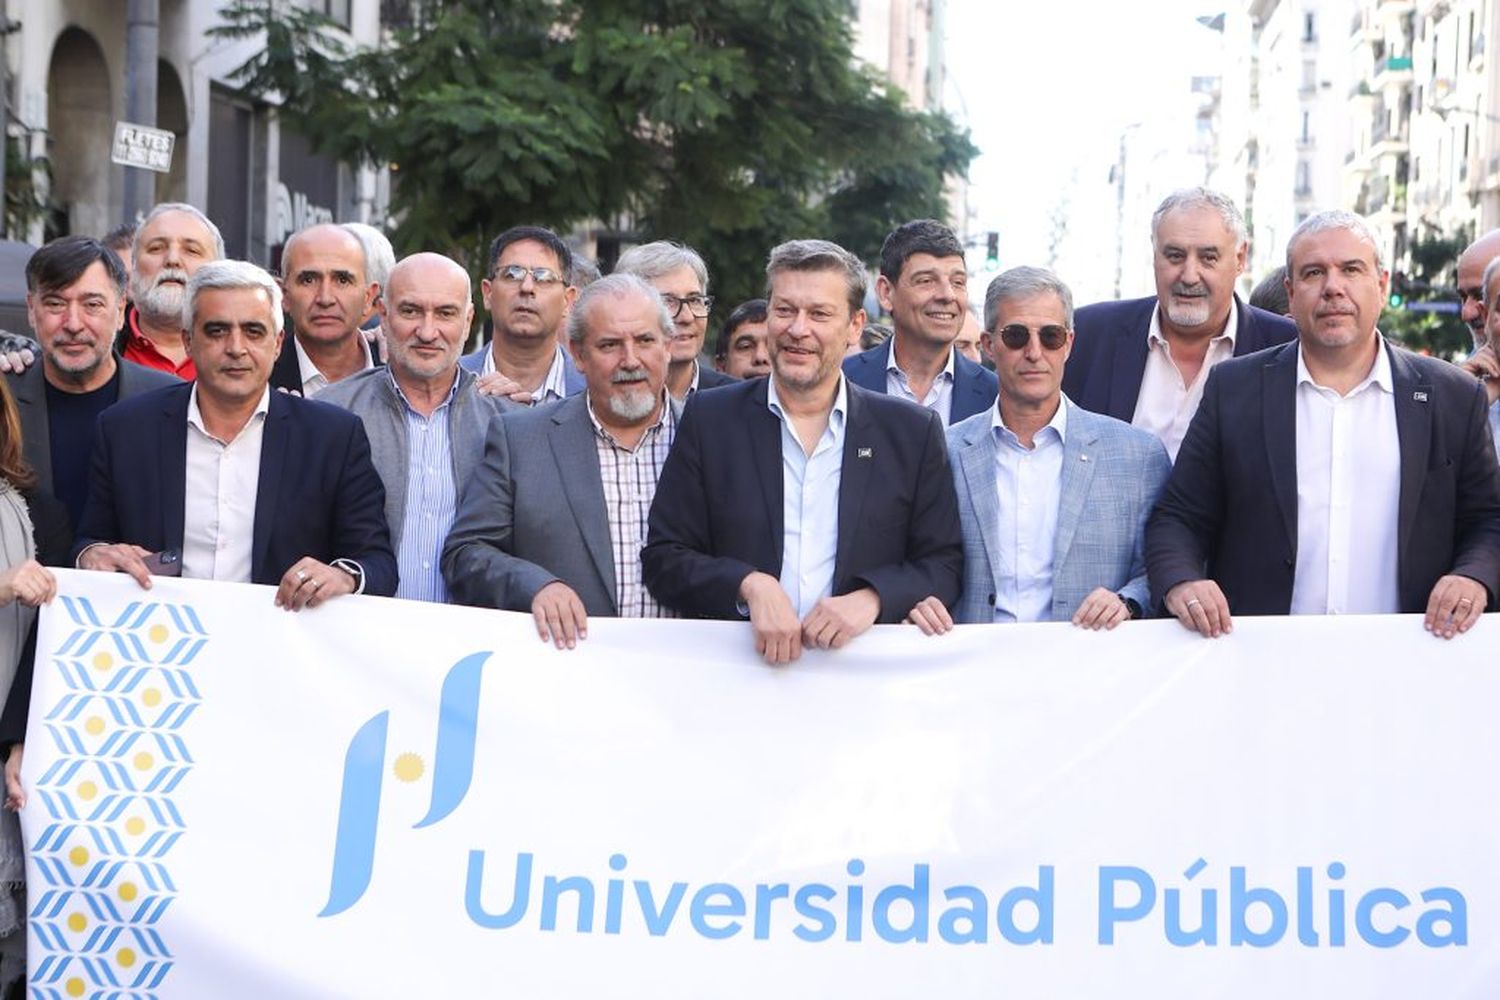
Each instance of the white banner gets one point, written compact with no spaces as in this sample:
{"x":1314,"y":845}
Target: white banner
{"x":389,"y":799}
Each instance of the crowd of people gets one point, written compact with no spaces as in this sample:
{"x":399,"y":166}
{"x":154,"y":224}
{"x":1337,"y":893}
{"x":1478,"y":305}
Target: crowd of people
{"x":1187,"y":454}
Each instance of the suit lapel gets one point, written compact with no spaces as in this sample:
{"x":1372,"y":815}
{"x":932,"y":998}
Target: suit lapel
{"x":1279,"y":396}
{"x":31,"y":405}
{"x":1079,"y":463}
{"x":854,"y":478}
{"x":976,"y":461}
{"x":274,"y":442}
{"x":1129,"y":365}
{"x":764,"y":430}
{"x":172,"y":469}
{"x":1414,"y":437}
{"x":575,"y":451}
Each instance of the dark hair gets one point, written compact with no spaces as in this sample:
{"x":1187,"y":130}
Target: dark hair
{"x":917,"y":236}
{"x":122,"y":237}
{"x":63,"y":261}
{"x":753,"y":311}
{"x":1270,"y":294}
{"x":13,"y":464}
{"x":537,"y":234}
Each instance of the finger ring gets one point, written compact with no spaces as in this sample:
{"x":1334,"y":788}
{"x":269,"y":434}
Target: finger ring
{"x":316,"y":584}
{"x":301,"y":574}
{"x":1465,"y":600}
{"x":1192,"y":601}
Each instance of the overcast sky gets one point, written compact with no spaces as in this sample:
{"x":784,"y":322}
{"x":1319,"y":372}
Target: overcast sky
{"x":1046,"y":87}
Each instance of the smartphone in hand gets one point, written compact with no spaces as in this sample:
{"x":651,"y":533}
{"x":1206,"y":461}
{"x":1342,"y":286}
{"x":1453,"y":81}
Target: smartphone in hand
{"x":167,"y":562}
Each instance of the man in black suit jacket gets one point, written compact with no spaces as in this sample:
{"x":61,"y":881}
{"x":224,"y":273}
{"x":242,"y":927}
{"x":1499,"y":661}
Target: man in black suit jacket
{"x":1337,"y":474}
{"x":174,"y":470}
{"x":743,"y":521}
{"x":327,"y":289}
{"x":1163,"y":346}
{"x":924,"y":285}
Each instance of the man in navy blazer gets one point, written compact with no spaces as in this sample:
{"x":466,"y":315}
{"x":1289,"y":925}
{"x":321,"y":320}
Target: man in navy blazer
{"x":924,"y":285}
{"x":205,"y":472}
{"x":1335,"y":475}
{"x":1145,"y":361}
{"x":805,"y":503}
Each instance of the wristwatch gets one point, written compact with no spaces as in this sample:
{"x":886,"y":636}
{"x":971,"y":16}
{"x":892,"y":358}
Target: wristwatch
{"x":355,"y":570}
{"x":1132,"y":607}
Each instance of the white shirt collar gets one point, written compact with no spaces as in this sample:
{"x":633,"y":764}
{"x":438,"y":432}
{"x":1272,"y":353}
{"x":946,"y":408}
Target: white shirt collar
{"x":307,"y":372}
{"x":891,"y":366}
{"x":840,"y":400}
{"x":1058,"y":423}
{"x":1380,"y":371}
{"x":1231,"y":327}
{"x":195,"y":415}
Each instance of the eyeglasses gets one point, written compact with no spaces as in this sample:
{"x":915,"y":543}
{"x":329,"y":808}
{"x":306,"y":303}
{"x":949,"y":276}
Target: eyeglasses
{"x":1016,"y":336}
{"x":514,"y":274}
{"x":698,"y":305}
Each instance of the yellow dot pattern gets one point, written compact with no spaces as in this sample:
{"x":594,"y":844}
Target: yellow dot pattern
{"x":128,"y":891}
{"x":143,"y":761}
{"x":79,"y":856}
{"x":77,"y":922}
{"x":135,"y":826}
{"x":125,"y":957}
{"x":94,"y":725}
{"x":103,"y":661}
{"x":157,"y":633}
{"x":151,"y":697}
{"x":75,"y":987}
{"x":87,"y":790}
{"x":408,"y":767}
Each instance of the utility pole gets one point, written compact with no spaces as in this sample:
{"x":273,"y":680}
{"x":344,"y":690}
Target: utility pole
{"x":142,"y":27}
{"x":6,"y":27}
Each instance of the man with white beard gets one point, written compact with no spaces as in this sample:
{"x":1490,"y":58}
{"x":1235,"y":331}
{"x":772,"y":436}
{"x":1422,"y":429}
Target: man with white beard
{"x":554,"y":519}
{"x":170,"y":244}
{"x":1146,"y":361}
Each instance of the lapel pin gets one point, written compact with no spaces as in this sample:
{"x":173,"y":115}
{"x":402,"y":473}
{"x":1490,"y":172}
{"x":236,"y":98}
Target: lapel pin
{"x":1083,"y":458}
{"x":866,"y":452}
{"x":1420,"y":397}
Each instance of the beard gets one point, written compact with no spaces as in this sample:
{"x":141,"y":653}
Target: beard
{"x":159,"y":302}
{"x":633,"y":404}
{"x":1193,"y":312}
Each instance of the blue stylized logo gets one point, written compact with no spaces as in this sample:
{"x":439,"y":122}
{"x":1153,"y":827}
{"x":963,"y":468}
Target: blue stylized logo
{"x":364,"y":767}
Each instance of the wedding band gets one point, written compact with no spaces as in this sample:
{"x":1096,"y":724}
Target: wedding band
{"x":1465,"y":600}
{"x":1192,"y":601}
{"x":316,"y":584}
{"x":301,"y":574}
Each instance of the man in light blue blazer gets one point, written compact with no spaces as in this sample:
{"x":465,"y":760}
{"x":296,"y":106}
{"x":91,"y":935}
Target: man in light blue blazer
{"x":1053,"y":499}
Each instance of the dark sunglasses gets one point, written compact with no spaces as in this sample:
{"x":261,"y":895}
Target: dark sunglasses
{"x":1016,"y":336}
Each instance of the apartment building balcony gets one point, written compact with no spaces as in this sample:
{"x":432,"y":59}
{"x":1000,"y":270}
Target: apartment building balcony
{"x":1392,"y":71}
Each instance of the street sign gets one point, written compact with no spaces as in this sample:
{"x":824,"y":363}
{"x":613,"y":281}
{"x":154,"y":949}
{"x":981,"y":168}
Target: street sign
{"x":143,"y":146}
{"x":1438,"y":306}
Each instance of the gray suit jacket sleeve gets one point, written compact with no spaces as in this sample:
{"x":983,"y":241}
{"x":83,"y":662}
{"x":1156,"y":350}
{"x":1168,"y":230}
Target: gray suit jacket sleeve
{"x":1154,"y":477}
{"x":476,"y":562}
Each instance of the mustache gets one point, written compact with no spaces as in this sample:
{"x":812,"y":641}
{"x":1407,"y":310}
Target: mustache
{"x":1182,"y":288}
{"x":626,"y":377}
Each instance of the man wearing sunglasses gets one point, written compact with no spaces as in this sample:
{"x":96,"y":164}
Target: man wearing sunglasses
{"x":1146,"y":361}
{"x":924,"y":285}
{"x":679,"y":275}
{"x":1053,"y":498}
{"x":807,"y":505}
{"x":528,"y":294}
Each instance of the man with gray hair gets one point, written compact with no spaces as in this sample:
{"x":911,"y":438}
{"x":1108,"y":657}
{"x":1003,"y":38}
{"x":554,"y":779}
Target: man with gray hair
{"x":424,"y":415}
{"x":1146,"y":361}
{"x":1338,"y":474}
{"x":171,"y":243}
{"x":224,"y":479}
{"x":679,"y":274}
{"x":554,"y":519}
{"x":1053,"y":498}
{"x":801,"y":502}
{"x":328,"y":291}
{"x":1484,"y":363}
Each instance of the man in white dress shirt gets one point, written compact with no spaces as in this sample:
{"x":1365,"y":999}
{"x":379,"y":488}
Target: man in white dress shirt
{"x":328,"y":292}
{"x":1335,"y":475}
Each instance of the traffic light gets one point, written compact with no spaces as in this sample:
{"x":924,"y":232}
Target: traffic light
{"x":1399,"y":289}
{"x":992,"y":252}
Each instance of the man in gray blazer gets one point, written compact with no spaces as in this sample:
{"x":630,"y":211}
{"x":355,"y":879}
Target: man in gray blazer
{"x":1053,"y":499}
{"x":75,"y":298}
{"x":425,"y":419}
{"x":554,"y":520}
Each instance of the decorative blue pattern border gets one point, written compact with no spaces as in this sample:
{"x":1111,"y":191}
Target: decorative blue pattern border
{"x":110,"y":820}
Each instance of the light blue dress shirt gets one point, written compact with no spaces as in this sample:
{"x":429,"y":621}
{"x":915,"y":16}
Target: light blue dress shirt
{"x":810,"y":503}
{"x":1495,"y":425}
{"x":431,"y":501}
{"x":1028,"y":486}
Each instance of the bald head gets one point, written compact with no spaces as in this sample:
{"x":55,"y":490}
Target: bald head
{"x":1471,"y":264}
{"x":427,"y":312}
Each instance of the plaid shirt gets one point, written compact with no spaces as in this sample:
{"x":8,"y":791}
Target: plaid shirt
{"x":629,"y":478}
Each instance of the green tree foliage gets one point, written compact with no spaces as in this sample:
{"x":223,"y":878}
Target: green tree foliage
{"x":730,"y":126}
{"x":1442,"y":335}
